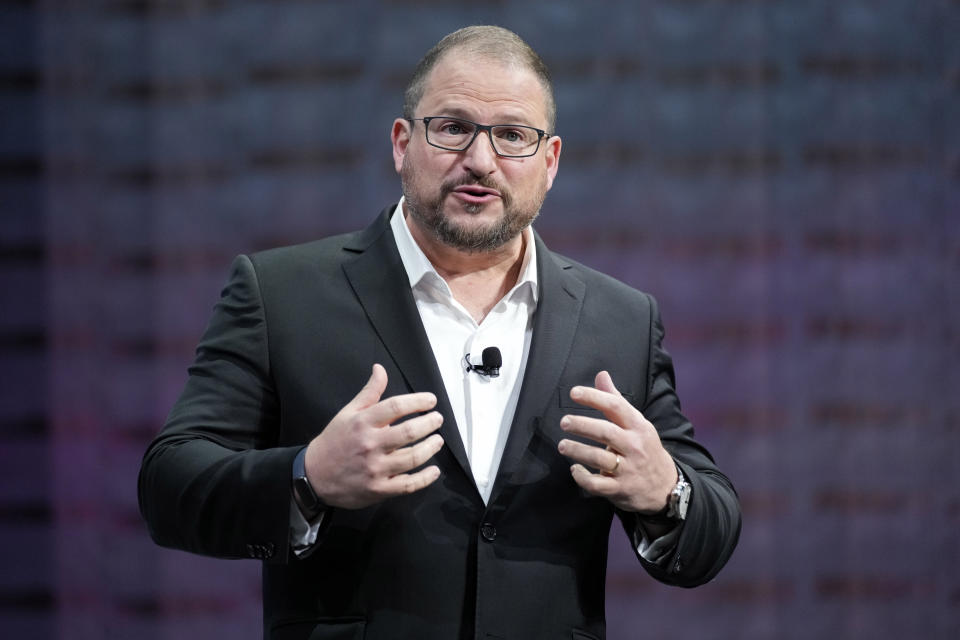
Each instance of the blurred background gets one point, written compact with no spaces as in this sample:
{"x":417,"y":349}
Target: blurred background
{"x":783,"y":176}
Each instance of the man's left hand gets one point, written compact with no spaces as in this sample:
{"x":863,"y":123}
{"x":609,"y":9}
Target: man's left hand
{"x":632,"y":469}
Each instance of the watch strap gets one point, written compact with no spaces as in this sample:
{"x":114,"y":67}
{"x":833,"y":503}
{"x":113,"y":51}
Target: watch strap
{"x":310,"y":505}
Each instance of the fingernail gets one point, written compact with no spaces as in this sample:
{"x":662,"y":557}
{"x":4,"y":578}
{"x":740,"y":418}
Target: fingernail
{"x":576,"y":392}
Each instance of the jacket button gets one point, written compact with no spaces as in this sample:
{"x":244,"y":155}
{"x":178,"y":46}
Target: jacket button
{"x":261,"y":551}
{"x":488,"y":531}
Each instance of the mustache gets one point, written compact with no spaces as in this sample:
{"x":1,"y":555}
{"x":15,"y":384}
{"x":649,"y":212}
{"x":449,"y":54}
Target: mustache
{"x":483,"y":181}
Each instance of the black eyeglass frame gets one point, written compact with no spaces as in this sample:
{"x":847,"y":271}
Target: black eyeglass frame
{"x":541,"y":135}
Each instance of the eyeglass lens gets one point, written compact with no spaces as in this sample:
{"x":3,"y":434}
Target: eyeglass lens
{"x":508,"y":140}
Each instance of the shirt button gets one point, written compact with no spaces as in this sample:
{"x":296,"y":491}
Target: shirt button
{"x":488,"y":531}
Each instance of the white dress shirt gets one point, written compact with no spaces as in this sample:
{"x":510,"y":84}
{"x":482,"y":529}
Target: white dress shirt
{"x":483,"y":406}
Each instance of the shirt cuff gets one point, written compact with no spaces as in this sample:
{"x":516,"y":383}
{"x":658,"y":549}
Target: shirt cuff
{"x":303,"y":534}
{"x":659,"y":550}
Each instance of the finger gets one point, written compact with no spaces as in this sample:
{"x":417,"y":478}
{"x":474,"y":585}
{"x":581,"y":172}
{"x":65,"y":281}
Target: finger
{"x":370,"y":394}
{"x":408,"y":458}
{"x":409,"y":482}
{"x":614,"y":406}
{"x":597,"y":429}
{"x":595,"y":483}
{"x":602,"y":460}
{"x":604,"y":382}
{"x":409,"y":431}
{"x":394,"y":408}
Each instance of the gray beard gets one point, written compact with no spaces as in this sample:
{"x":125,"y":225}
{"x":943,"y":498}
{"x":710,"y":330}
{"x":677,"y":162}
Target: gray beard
{"x":430,"y":215}
{"x":478,"y":240}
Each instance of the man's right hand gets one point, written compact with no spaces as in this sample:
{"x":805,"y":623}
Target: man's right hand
{"x":362,"y":457}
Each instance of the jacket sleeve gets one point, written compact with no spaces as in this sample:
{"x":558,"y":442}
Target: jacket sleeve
{"x":710,"y":532}
{"x":213,"y":481}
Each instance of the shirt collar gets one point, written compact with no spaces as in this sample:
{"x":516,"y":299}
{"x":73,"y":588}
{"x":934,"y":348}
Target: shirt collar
{"x":420,"y":271}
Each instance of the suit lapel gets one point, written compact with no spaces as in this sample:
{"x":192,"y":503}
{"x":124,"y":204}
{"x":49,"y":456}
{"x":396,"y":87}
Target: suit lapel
{"x":380,"y":282}
{"x":555,"y":323}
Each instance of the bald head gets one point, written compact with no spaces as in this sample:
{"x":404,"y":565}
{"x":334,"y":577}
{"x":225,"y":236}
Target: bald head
{"x":489,"y":43}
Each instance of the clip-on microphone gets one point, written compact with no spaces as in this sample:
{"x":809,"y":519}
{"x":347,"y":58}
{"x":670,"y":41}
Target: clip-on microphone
{"x":492,"y":361}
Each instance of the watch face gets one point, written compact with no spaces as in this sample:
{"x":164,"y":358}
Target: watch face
{"x":684,"y":501}
{"x":679,"y":501}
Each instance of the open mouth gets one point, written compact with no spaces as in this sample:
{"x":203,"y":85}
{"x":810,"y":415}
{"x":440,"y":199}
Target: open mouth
{"x":475,"y":194}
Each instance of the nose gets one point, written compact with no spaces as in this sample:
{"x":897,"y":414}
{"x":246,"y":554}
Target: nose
{"x":480,"y":158}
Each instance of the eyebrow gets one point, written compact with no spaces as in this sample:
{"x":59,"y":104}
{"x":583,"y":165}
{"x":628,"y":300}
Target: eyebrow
{"x":458,"y":112}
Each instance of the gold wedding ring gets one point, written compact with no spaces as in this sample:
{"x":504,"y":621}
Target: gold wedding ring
{"x":615,"y":466}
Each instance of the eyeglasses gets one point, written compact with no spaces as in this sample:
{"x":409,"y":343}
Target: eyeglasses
{"x":457,"y":134}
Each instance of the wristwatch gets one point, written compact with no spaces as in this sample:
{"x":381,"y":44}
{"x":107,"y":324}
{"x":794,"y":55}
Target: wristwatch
{"x":311,"y":506}
{"x":679,"y":498}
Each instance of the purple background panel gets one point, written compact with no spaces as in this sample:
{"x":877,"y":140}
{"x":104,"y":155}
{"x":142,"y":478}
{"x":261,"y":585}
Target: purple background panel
{"x":783,"y":176}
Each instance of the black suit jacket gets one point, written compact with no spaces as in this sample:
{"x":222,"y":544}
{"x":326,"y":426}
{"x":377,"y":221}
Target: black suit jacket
{"x":292,"y":340}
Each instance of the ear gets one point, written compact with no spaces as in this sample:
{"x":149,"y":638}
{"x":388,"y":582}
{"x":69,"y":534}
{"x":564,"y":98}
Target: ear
{"x":552,"y":158}
{"x":400,"y":137}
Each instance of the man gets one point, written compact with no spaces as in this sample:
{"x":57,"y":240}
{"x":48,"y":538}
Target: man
{"x":347,"y":419}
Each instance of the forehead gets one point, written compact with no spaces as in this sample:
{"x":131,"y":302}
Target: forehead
{"x":484,"y":89}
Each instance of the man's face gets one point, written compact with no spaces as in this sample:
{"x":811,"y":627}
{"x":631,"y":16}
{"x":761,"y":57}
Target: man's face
{"x":475,"y":200}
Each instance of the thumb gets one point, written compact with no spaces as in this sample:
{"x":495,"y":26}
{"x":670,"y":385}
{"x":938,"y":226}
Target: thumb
{"x":604,"y":382}
{"x":370,"y":394}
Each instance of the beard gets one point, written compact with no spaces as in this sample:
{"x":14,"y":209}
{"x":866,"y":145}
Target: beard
{"x":429,"y":212}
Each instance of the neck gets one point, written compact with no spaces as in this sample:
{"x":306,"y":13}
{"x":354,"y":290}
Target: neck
{"x":478,"y":280}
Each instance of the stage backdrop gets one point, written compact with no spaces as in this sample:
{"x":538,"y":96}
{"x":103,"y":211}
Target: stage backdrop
{"x":783,"y":176}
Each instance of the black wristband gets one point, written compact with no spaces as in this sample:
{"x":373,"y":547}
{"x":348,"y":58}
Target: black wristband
{"x":310,"y":505}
